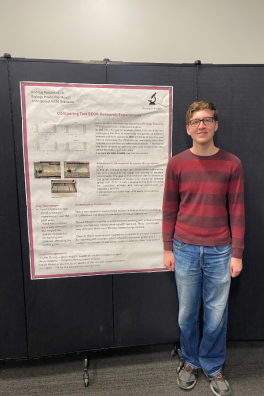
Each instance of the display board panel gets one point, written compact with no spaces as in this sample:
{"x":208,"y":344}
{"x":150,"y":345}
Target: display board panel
{"x":237,"y":91}
{"x":65,"y":315}
{"x":147,"y":303}
{"x":12,"y":309}
{"x":146,"y":309}
{"x":181,"y":77}
{"x":62,"y":316}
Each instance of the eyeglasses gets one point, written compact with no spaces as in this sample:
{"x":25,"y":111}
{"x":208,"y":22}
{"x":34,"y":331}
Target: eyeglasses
{"x":207,"y":121}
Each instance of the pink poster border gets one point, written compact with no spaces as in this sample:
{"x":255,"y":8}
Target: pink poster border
{"x":24,"y":113}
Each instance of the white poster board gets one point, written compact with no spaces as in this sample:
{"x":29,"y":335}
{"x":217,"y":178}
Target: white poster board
{"x":95,"y":159}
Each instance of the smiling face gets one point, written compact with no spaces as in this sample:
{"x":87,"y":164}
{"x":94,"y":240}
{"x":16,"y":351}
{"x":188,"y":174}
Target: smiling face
{"x":203,"y":134}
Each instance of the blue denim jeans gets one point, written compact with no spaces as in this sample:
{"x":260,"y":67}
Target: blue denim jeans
{"x":203,"y":272}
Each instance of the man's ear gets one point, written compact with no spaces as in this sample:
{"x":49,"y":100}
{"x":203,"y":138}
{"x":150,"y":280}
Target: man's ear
{"x":216,"y":126}
{"x":188,"y":130}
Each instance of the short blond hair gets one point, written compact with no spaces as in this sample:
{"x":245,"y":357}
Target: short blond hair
{"x":201,"y":105}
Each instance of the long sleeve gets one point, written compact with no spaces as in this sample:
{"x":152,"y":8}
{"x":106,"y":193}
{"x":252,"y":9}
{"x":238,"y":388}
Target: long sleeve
{"x":236,"y":211}
{"x":170,"y":207}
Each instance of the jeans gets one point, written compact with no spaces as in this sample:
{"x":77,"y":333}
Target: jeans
{"x":203,"y":272}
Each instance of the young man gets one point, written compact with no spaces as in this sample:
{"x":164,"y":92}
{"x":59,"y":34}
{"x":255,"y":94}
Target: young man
{"x":203,"y":195}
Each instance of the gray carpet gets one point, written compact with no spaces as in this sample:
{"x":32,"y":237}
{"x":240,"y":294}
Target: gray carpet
{"x":138,"y":371}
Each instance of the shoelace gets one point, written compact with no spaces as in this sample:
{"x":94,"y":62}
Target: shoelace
{"x":188,"y":368}
{"x":219,"y":377}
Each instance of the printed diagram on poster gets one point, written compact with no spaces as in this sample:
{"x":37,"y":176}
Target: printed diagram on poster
{"x":95,"y":158}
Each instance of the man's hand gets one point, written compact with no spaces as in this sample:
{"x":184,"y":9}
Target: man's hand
{"x":235,"y":266}
{"x":169,"y":260}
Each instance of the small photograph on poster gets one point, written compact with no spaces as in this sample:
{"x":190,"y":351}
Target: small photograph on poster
{"x":63,"y":188}
{"x":47,"y":170}
{"x":76,"y":169}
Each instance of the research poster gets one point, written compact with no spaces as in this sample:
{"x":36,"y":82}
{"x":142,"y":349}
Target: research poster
{"x":95,"y":158}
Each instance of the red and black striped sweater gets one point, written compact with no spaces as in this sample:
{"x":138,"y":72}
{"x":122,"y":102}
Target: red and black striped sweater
{"x":203,"y":199}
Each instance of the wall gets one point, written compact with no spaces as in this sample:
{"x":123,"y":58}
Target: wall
{"x":173,"y":31}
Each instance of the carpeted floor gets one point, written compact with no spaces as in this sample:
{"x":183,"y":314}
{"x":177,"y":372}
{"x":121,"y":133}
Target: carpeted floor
{"x":137,"y":371}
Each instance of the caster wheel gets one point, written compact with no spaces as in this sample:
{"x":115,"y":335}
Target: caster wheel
{"x":86,"y":379}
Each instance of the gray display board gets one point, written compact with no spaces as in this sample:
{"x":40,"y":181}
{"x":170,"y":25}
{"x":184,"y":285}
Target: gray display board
{"x":237,"y":91}
{"x":146,"y":305}
{"x":12,"y":309}
{"x":63,"y":315}
{"x":53,"y":316}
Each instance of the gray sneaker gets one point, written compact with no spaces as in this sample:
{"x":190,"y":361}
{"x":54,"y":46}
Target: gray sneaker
{"x":219,"y":385}
{"x":187,"y":377}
